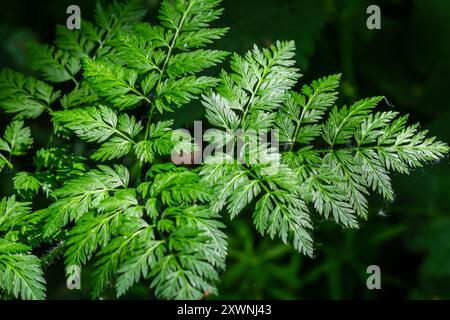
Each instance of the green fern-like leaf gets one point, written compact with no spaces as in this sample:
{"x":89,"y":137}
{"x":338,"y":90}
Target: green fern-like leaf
{"x":107,"y":191}
{"x":286,"y":187}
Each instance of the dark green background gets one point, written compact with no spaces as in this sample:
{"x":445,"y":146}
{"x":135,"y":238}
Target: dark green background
{"x":408,"y":61}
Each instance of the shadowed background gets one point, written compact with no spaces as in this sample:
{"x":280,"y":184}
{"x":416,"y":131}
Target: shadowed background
{"x":407,"y":61}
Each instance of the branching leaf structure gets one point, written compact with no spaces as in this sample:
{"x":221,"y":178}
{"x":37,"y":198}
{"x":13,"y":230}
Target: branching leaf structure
{"x":21,"y":274}
{"x":123,"y":208}
{"x":329,"y":159}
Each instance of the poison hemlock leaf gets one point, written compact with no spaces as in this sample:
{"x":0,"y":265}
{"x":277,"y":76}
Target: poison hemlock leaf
{"x":23,"y":96}
{"x":21,"y":275}
{"x":137,"y":218}
{"x":290,"y":188}
{"x":16,"y":141}
{"x":123,"y":208}
{"x":53,"y":64}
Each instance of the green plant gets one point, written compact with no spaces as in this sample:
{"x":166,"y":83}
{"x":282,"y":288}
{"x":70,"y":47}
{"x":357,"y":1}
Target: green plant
{"x":126,"y":208}
{"x":144,"y":217}
{"x":332,"y":156}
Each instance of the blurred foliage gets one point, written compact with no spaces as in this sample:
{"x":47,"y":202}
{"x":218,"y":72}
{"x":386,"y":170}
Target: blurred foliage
{"x":407,"y":61}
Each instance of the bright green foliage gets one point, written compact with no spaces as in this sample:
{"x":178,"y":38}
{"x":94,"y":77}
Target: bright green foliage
{"x":16,"y":141}
{"x":330,"y":158}
{"x":21,"y":275}
{"x":100,"y":124}
{"x":142,"y":218}
{"x":26,"y":97}
{"x":53,"y":167}
{"x":123,"y":208}
{"x":20,"y":272}
{"x":54,"y":65}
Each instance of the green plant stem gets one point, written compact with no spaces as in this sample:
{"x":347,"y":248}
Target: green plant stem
{"x":172,"y":44}
{"x":258,"y":85}
{"x":105,"y":38}
{"x":162,"y":70}
{"x":331,"y":150}
{"x":147,"y":130}
{"x":299,"y":122}
{"x":8,"y":161}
